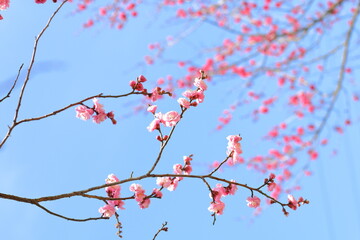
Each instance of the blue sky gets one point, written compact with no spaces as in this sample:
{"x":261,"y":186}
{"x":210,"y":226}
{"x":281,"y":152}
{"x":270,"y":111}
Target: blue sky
{"x":64,"y":154}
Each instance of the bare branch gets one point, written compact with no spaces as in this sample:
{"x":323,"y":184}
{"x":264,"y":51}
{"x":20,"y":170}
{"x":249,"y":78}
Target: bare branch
{"x":13,"y":86}
{"x":28,"y":74}
{"x":163,"y":228}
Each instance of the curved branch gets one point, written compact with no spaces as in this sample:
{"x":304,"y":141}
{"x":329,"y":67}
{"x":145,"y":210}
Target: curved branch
{"x":28,"y":73}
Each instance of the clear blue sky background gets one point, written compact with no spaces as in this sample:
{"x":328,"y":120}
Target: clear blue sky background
{"x":63,"y":154}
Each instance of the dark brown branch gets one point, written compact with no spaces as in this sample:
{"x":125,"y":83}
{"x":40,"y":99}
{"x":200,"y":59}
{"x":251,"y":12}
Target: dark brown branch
{"x":163,"y":228}
{"x":14,"y":84}
{"x":28,"y":74}
{"x":67,"y":218}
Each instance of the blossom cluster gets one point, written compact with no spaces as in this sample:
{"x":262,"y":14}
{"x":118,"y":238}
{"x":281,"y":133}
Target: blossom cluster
{"x":142,"y":199}
{"x":171,"y":118}
{"x":113,"y":192}
{"x":217,"y":206}
{"x":97,"y":112}
{"x":234,"y":149}
{"x":153,"y":96}
{"x":171,"y":183}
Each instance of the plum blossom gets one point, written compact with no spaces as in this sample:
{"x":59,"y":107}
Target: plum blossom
{"x":171,"y":118}
{"x":155,"y":124}
{"x":253,"y":202}
{"x":4,"y":4}
{"x":217,"y":207}
{"x":100,"y":117}
{"x":167,"y":182}
{"x":231,"y":189}
{"x":271,"y":186}
{"x":140,"y":196}
{"x":83,"y":112}
{"x":107,"y":210}
{"x":113,"y":191}
{"x":97,"y":106}
{"x":183,"y":102}
{"x":178,"y":168}
{"x":155,"y":95}
{"x":234,"y":147}
{"x":200,"y":84}
{"x":157,"y":193}
{"x":292,"y":202}
{"x":152,"y":109}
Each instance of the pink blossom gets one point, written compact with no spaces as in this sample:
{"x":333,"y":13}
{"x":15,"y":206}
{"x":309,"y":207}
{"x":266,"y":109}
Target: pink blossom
{"x":217,"y":192}
{"x":144,"y":203}
{"x":253,"y":202}
{"x":107,"y":210}
{"x":98,"y":107}
{"x":187,"y":169}
{"x":155,"y":124}
{"x":187,"y":159}
{"x":132,"y":84}
{"x":235,"y":147}
{"x":141,"y":78}
{"x":155,"y":94}
{"x":83,"y":112}
{"x":171,"y":118}
{"x":113,"y":191}
{"x":191,"y":94}
{"x":271,"y":186}
{"x":231,"y":189}
{"x":217,"y":207}
{"x":117,"y":203}
{"x":167,"y":182}
{"x":100,"y":117}
{"x":200,"y":84}
{"x":40,"y":1}
{"x":152,"y":109}
{"x":200,"y":96}
{"x":139,"y":192}
{"x":174,"y":184}
{"x":163,"y":181}
{"x":111,"y":116}
{"x":4,"y":4}
{"x":292,"y":202}
{"x":177,"y":168}
{"x":157,"y":193}
{"x":183,"y":102}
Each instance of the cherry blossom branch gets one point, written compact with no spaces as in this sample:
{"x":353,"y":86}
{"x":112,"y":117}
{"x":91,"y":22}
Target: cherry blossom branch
{"x":16,"y":123}
{"x":13,"y":86}
{"x":163,"y":144}
{"x":224,"y":161}
{"x":163,"y":228}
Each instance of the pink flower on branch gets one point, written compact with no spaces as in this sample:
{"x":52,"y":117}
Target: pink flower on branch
{"x":217,"y":207}
{"x":83,"y":112}
{"x":253,"y":202}
{"x":107,"y":211}
{"x":170,"y":119}
{"x":152,"y":109}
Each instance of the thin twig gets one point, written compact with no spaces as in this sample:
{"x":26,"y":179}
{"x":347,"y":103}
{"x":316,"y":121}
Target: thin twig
{"x":13,"y":86}
{"x":28,"y":74}
{"x":163,"y":228}
{"x":339,"y":84}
